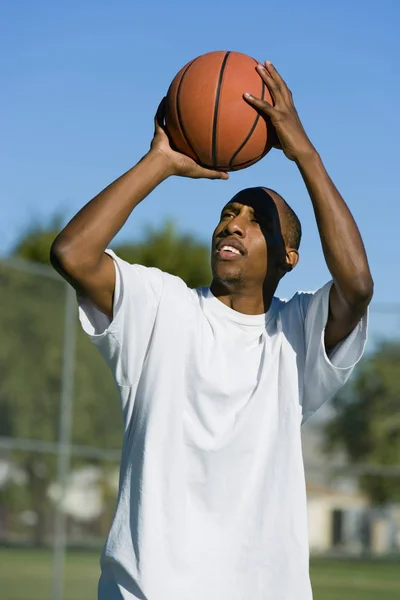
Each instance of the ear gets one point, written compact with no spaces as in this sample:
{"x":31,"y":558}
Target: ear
{"x":291,"y":259}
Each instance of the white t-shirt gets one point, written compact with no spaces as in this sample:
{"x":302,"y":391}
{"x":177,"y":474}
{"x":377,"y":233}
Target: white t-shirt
{"x":212,"y":499}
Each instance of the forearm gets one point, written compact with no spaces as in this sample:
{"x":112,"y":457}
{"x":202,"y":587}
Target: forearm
{"x":91,"y":230}
{"x":341,"y":240}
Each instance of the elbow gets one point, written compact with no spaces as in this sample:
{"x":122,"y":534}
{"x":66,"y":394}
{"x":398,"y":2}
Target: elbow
{"x":62,"y":257}
{"x":366,"y":290}
{"x":361,"y":291}
{"x":70,"y":259}
{"x":56,"y":254}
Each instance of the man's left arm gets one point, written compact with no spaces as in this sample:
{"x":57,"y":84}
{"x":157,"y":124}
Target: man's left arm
{"x":342,"y":245}
{"x":343,"y":249}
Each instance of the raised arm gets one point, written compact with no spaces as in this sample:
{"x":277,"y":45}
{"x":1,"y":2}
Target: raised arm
{"x":77,"y":252}
{"x":341,"y":240}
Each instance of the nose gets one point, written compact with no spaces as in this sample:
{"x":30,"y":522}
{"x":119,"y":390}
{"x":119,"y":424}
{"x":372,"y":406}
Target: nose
{"x":235,"y":226}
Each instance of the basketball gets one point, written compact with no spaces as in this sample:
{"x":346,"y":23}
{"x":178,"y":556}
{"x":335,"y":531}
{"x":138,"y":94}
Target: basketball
{"x":207,"y":118}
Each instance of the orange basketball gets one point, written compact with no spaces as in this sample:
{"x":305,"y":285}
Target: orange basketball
{"x":208,"y":119}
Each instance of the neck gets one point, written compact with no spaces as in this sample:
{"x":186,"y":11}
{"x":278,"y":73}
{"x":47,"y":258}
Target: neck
{"x":249,"y":300}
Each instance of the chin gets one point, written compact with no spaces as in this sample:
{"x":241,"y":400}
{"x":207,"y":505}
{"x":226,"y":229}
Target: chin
{"x":226,"y":275}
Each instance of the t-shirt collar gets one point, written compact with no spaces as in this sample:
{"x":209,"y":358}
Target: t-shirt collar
{"x":218,"y":307}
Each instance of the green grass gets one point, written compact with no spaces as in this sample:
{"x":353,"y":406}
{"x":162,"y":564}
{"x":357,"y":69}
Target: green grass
{"x":27,"y":574}
{"x":355,"y":580}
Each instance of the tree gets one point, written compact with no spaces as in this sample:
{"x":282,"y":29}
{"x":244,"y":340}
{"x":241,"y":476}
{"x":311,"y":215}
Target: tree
{"x":35,"y":243}
{"x":367,"y":422}
{"x":165,"y":248}
{"x":177,"y":254}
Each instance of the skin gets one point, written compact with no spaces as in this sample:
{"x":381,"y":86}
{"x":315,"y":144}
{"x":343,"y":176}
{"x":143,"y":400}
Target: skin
{"x":246,"y":284}
{"x":341,"y":241}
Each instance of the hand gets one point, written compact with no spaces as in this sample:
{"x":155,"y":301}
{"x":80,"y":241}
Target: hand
{"x":177,"y":163}
{"x":291,"y":136}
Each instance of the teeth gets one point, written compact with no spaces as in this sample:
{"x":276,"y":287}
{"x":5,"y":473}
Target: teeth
{"x":230,"y":249}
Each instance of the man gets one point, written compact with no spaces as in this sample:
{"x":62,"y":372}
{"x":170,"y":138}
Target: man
{"x":215,"y":382}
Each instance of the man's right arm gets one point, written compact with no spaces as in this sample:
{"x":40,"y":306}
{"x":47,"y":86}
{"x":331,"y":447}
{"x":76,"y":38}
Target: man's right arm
{"x":78,"y":251}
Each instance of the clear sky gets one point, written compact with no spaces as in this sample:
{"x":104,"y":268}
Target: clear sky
{"x":80,"y":82}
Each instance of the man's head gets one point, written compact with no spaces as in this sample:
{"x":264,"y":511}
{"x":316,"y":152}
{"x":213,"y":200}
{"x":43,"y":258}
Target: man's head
{"x":256,"y":241}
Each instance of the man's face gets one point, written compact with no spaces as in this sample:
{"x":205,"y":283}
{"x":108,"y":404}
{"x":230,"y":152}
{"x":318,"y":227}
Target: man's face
{"x":248,"y":244}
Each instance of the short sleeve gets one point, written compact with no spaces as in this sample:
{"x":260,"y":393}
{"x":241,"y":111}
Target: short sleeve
{"x":123,"y":341}
{"x":325,"y":374}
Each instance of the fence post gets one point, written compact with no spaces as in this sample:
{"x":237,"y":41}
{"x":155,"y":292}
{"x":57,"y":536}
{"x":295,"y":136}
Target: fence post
{"x":64,"y":441}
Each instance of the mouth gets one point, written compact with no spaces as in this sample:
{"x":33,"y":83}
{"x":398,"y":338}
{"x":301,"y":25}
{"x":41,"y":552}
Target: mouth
{"x":230,"y":250}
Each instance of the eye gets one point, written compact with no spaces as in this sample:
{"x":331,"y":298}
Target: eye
{"x":227,"y":214}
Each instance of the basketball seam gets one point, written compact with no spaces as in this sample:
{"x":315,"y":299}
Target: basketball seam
{"x":247,"y":138}
{"x":179,"y":114}
{"x":247,"y":162}
{"x":216,"y":107}
{"x":242,"y":164}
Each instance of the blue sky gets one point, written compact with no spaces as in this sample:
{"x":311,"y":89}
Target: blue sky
{"x":81,"y":81}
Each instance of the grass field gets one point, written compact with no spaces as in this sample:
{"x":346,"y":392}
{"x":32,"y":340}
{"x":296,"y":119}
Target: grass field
{"x":26,"y":574}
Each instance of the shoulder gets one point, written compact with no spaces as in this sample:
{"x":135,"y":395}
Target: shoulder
{"x":302,"y":313}
{"x":302,"y":303}
{"x":296,"y":306}
{"x":160,"y":282}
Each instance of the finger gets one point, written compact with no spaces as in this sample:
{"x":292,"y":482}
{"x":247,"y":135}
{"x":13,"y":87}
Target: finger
{"x":277,"y":78}
{"x":274,"y":87}
{"x":159,"y":119}
{"x":261,"y":105}
{"x":210,"y":173}
{"x":273,"y":72}
{"x":216,"y":175}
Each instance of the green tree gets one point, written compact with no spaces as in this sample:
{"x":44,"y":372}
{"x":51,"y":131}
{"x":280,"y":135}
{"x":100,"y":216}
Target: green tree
{"x":367,"y":422}
{"x":178,"y":254}
{"x":35,"y":243}
{"x":165,"y":248}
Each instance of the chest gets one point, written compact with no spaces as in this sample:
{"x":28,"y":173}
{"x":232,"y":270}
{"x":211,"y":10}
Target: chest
{"x":222,"y":378}
{"x":229,"y":363}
